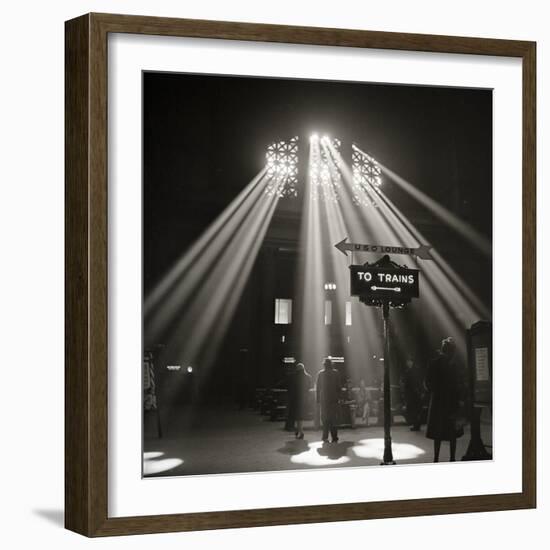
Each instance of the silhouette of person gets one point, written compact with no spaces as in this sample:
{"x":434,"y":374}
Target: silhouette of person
{"x":299,"y":386}
{"x":328,"y":390}
{"x":443,"y":384}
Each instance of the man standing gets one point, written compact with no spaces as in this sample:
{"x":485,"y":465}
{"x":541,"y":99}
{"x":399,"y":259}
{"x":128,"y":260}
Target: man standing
{"x":328,"y":396}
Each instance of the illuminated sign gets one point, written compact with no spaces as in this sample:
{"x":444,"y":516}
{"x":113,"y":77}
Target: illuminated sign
{"x":395,"y":284}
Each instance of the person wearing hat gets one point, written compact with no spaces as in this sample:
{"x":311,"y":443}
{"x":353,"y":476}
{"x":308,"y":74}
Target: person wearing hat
{"x":328,"y":389}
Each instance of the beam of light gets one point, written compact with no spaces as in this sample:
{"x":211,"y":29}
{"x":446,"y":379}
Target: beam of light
{"x":323,"y":184}
{"x":365,"y":337}
{"x":200,"y":259}
{"x":311,"y":276}
{"x":218,"y":323}
{"x":439,"y":268}
{"x":212,"y":301}
{"x":475,"y":238}
{"x":364,"y":334}
{"x":360,"y":211}
{"x":456,"y":304}
{"x":434,"y":305}
{"x":346,"y":218}
{"x":442,"y":299}
{"x":195,"y":312}
{"x":249,"y":194}
{"x":398,"y":226}
{"x":374,"y":448}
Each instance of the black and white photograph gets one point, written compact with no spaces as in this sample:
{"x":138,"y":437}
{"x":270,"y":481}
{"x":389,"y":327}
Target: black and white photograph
{"x":317,"y":274}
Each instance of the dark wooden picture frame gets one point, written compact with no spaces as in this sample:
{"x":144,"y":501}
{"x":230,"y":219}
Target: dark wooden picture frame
{"x":86,"y":365}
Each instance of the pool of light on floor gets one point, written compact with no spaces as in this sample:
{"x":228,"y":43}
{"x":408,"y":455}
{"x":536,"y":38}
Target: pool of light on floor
{"x":374,"y":448}
{"x":152,"y":455}
{"x":318,"y":454}
{"x":154,"y":464}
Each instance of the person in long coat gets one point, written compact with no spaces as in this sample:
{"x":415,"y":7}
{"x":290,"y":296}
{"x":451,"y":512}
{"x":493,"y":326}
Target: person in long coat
{"x":328,"y":390}
{"x":299,"y":387}
{"x":443,"y":384}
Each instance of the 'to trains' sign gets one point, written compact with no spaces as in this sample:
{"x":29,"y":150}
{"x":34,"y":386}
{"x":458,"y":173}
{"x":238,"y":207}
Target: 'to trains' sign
{"x":380,"y":283}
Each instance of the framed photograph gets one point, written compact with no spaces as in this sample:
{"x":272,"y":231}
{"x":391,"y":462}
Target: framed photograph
{"x":300,"y":275}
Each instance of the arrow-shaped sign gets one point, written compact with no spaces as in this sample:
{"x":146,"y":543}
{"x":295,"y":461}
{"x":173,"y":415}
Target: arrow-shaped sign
{"x":422,"y":252}
{"x":396,"y":289}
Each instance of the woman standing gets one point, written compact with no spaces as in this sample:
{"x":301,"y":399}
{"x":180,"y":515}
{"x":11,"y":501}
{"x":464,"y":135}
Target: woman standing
{"x":298,"y":398}
{"x":443,"y":384}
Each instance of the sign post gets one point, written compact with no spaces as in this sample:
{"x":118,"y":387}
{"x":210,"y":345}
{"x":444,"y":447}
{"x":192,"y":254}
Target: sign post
{"x":385,"y":284}
{"x":388,"y":454}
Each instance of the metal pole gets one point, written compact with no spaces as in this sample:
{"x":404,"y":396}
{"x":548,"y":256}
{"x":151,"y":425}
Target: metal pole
{"x":388,"y":455}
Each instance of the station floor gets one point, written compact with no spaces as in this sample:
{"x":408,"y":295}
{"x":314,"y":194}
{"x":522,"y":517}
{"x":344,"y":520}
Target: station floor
{"x":229,"y":441}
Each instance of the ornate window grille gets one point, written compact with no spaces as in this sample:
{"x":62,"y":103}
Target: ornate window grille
{"x":282,"y":168}
{"x":325,"y":174}
{"x":366,"y":177}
